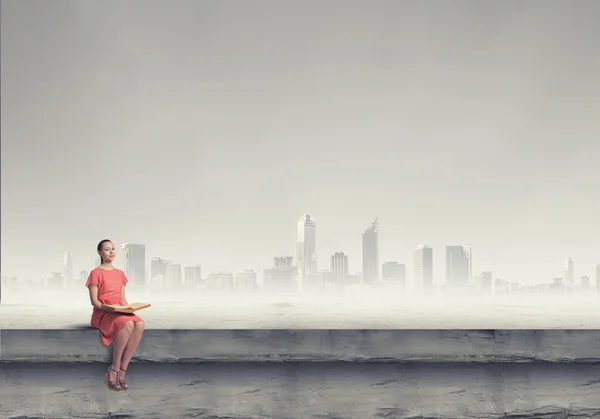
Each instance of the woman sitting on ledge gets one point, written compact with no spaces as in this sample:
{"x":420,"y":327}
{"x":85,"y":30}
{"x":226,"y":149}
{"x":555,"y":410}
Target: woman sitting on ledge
{"x":107,"y":286}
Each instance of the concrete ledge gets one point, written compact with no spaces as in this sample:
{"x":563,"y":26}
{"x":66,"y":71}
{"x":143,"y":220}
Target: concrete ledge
{"x":313,"y":345}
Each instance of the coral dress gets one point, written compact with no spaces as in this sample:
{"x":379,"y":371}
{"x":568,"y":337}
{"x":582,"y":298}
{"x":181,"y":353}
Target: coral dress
{"x":110,"y":284}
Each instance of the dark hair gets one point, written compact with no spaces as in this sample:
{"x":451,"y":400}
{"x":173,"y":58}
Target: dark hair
{"x":99,"y":248}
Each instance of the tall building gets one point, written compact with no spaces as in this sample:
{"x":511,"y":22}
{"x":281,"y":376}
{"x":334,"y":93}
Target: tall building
{"x":370,"y":254}
{"x":306,"y":247}
{"x":68,"y":268}
{"x":339,"y":270}
{"x":192,"y":276}
{"x":134,"y":260}
{"x":458,"y":267}
{"x":423,"y":275}
{"x":569,"y":274}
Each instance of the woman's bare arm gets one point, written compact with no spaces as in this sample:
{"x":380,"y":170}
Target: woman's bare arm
{"x":94,"y":297}
{"x":123,"y":298}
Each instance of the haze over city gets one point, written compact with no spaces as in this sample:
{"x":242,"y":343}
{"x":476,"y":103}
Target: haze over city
{"x":205,"y":130}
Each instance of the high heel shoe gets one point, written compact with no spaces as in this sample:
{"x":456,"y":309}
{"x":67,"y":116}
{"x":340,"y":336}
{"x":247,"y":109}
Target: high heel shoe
{"x":123,"y":383}
{"x":112,"y":385}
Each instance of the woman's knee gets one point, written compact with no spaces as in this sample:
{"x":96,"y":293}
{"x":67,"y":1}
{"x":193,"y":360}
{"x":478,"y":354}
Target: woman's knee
{"x":139,"y":325}
{"x":128,"y":326}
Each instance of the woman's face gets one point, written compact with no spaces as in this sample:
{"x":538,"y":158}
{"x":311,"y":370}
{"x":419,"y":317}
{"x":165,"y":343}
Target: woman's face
{"x":108,"y":252}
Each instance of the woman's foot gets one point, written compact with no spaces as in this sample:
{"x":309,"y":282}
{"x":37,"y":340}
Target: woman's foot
{"x":111,"y":379}
{"x":122,"y":381}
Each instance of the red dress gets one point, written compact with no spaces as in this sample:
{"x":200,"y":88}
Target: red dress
{"x":110,"y":284}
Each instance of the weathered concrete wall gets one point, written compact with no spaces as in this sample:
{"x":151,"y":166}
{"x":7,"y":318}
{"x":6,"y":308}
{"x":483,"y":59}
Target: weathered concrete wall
{"x":312,"y":345}
{"x":306,"y":390}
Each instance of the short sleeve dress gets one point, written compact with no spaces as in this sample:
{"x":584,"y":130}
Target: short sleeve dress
{"x":110,"y":283}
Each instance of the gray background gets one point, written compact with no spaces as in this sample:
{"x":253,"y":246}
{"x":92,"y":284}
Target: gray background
{"x":205,"y":129}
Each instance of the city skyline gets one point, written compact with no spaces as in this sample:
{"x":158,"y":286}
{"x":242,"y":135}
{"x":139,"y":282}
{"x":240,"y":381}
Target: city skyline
{"x":202,"y":130}
{"x":458,"y":270}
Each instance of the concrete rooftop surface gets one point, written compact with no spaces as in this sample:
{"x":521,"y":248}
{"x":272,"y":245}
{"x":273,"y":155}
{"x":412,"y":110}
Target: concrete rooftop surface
{"x":303,"y":390}
{"x":53,"y":310}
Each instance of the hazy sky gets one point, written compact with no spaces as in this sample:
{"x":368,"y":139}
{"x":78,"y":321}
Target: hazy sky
{"x":206,"y":128}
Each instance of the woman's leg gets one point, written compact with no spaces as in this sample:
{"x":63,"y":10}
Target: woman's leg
{"x":134,"y":341}
{"x":119,"y":347}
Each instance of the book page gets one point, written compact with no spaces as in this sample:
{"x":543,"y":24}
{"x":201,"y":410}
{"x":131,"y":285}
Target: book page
{"x":128,"y":308}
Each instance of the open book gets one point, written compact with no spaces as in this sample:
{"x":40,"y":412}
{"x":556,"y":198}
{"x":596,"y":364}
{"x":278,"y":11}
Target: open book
{"x":130,"y":308}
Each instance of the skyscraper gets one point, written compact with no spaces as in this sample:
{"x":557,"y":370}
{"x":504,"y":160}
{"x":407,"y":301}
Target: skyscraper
{"x":569,"y":274}
{"x":370,"y":253}
{"x":339,"y":269}
{"x":458,"y":266}
{"x":134,"y":257}
{"x":423,"y":276}
{"x":68,"y":268}
{"x":306,"y":247}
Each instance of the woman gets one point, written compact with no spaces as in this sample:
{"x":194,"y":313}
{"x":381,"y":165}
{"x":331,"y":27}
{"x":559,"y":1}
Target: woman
{"x":107,"y":286}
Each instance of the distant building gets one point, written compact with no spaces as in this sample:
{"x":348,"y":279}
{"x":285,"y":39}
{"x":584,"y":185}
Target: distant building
{"x":569,"y":274}
{"x":312,"y":282}
{"x":458,"y":267}
{"x":585,"y":282}
{"x":158,"y":273}
{"x":370,"y":253}
{"x":192,"y":276}
{"x":558,"y":285}
{"x":173,"y":277}
{"x":56,"y":280}
{"x":328,"y":278}
{"x":486,"y":281}
{"x":134,"y":256}
{"x":423,"y":265}
{"x":68,"y":268}
{"x":393,"y":274}
{"x":246,"y":280}
{"x":501,"y":286}
{"x":354,"y":279}
{"x":283,"y":276}
{"x":339,"y":270}
{"x":306,"y":253}
{"x":393,"y":277}
{"x":220,"y":281}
